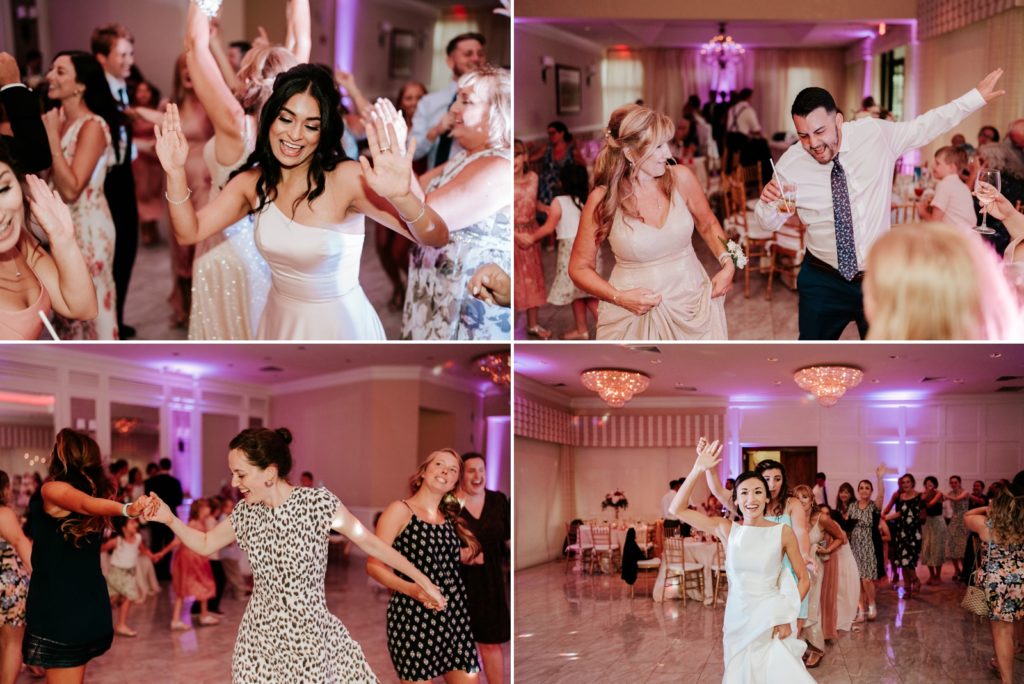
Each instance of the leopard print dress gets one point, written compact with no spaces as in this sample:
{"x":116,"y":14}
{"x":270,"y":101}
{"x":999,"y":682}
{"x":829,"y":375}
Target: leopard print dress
{"x":287,"y":634}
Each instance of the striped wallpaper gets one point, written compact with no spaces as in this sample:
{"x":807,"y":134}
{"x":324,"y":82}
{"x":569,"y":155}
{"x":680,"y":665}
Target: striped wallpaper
{"x":547,"y":424}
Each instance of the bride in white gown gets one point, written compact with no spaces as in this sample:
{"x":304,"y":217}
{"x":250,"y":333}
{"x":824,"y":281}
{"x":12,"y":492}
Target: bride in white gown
{"x":309,"y":202}
{"x":759,"y":634}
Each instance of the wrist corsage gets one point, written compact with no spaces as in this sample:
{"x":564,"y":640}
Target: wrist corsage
{"x":734,"y":252}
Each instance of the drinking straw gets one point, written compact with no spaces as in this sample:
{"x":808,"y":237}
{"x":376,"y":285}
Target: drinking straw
{"x":49,"y":328}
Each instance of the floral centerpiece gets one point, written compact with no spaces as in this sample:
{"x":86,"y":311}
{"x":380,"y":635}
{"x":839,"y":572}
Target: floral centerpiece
{"x":616,"y":500}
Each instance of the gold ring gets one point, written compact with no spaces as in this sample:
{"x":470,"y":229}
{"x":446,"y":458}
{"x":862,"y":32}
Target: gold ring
{"x":385,"y":149}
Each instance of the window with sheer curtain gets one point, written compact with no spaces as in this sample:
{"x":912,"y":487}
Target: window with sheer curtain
{"x":622,"y":74}
{"x":445,"y":29}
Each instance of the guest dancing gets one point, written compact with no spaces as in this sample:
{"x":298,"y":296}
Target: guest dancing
{"x":956,"y":532}
{"x":284,"y":529}
{"x":760,"y":643}
{"x":427,"y":527}
{"x":313,"y":246}
{"x":471,"y":192}
{"x":32,"y":280}
{"x":658,"y":289}
{"x":866,"y":543}
{"x":846,"y":204}
{"x":530,"y":293}
{"x":1001,"y":528}
{"x":933,"y":543}
{"x":79,"y":135}
{"x":487,"y":515}
{"x":822,"y":528}
{"x":15,"y":568}
{"x":230,"y":279}
{"x":908,"y":505}
{"x":68,"y":611}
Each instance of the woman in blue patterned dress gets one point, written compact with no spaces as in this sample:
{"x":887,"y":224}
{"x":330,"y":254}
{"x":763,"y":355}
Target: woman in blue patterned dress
{"x":15,"y":567}
{"x":471,"y":191}
{"x":1001,"y":528}
{"x":426,"y":528}
{"x":907,"y":502}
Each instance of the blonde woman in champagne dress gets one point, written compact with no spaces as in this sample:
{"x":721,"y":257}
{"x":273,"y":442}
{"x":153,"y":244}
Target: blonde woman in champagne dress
{"x":658,"y":289}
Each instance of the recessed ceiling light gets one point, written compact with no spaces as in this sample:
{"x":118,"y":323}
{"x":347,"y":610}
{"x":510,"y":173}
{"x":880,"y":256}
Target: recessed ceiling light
{"x":655,"y":361}
{"x":958,"y":381}
{"x":175,"y":353}
{"x":778,"y":382}
{"x":895,"y":357}
{"x":876,"y":381}
{"x":773,"y":359}
{"x":302,"y":347}
{"x":995,"y":355}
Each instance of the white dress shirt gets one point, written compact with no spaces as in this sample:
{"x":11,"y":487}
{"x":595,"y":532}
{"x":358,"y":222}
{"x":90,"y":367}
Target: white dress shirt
{"x":819,"y":496}
{"x":743,"y":119}
{"x":429,"y":111}
{"x":666,"y":505}
{"x":868,"y":154}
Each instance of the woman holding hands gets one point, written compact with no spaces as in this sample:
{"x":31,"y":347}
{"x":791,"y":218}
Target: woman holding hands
{"x":287,"y":633}
{"x":759,"y":642}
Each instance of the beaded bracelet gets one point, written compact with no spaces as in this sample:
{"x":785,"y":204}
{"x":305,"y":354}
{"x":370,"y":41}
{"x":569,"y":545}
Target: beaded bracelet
{"x":181,"y":201}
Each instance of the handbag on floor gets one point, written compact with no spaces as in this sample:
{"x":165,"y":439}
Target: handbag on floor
{"x":975,"y":599}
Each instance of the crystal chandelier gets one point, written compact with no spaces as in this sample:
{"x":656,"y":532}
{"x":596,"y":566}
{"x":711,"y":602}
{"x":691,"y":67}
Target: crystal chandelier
{"x":828,"y":383}
{"x":613,"y":385}
{"x":722,"y":49}
{"x":496,"y":366}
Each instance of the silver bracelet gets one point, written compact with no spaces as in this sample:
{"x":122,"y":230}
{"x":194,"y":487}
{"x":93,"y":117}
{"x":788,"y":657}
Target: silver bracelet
{"x":181,"y":201}
{"x":722,"y":257}
{"x":125,"y":513}
{"x":423,"y":210}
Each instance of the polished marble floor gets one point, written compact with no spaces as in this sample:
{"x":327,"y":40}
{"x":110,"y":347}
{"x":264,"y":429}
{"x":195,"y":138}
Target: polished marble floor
{"x":203,"y":655}
{"x":570,"y":628}
{"x":753,"y":318}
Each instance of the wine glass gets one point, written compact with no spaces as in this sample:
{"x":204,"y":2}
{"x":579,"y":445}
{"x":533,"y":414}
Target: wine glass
{"x":986,"y":185}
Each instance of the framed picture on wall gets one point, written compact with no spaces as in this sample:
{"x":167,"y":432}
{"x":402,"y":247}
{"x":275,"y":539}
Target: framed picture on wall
{"x":402,"y":55}
{"x":568,"y":89}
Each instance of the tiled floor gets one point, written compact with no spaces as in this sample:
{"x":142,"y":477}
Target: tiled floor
{"x":148,"y":311}
{"x":753,"y":318}
{"x":203,"y":655}
{"x":587,"y":629}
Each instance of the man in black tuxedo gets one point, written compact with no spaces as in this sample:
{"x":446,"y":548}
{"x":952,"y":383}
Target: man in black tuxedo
{"x":168,"y":488}
{"x":114,"y":49}
{"x":28,"y":145}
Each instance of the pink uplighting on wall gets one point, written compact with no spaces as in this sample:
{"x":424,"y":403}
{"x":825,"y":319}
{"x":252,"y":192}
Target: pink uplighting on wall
{"x":498,"y":441}
{"x":345,"y":13}
{"x":27,"y":399}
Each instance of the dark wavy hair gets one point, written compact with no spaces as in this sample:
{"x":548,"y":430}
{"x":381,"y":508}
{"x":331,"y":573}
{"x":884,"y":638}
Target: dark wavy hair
{"x":847,"y":487}
{"x":75,"y":459}
{"x":97,"y":98}
{"x":449,"y":506}
{"x":752,"y":475}
{"x":264,"y":447}
{"x":775,"y":503}
{"x":318,"y":83}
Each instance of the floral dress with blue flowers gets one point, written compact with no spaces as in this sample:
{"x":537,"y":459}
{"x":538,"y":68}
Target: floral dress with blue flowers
{"x":13,"y":587}
{"x":1003,"y":579}
{"x":437,"y":304}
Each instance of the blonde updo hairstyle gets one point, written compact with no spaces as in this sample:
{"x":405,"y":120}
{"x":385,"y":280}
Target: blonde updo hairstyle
{"x":934,"y":281}
{"x":636,"y":130}
{"x":257,"y":72}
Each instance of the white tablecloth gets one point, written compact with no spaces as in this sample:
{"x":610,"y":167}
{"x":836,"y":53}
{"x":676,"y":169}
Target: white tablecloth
{"x":693,"y":552}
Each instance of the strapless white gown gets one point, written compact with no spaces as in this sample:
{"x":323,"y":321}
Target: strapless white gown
{"x":761,"y":596}
{"x":315,"y":292}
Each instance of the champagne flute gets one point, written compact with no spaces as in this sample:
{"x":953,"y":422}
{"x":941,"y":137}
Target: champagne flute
{"x":986,"y":185}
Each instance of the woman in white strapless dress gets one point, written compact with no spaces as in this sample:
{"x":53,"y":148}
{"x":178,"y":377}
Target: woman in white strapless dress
{"x":648,"y":212}
{"x":309,"y":202}
{"x":759,"y":632}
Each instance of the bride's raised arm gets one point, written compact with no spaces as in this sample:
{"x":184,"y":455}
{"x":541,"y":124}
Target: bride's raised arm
{"x":716,"y":487}
{"x":707,"y":458}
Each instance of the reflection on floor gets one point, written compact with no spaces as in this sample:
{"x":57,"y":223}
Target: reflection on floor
{"x":203,"y":655}
{"x":570,"y":628}
{"x":147,"y":309}
{"x":753,"y":318}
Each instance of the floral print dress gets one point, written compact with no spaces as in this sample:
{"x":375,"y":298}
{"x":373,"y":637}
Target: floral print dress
{"x":908,"y":533}
{"x":94,"y":232}
{"x":13,"y":587}
{"x":1003,"y":579}
{"x":437,"y":304}
{"x":861,"y":541}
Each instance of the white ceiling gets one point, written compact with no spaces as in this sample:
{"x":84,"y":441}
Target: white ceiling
{"x":685,"y":33}
{"x":758,"y":370}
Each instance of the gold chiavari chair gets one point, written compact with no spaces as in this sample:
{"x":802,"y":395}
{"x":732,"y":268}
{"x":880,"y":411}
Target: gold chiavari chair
{"x":676,"y":566}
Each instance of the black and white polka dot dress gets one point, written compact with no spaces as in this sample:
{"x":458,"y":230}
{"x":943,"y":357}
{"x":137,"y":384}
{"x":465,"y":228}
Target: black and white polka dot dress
{"x":287,"y":634}
{"x":424,"y":643}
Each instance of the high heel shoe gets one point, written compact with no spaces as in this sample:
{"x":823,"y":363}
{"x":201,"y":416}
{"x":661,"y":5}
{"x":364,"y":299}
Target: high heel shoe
{"x":872,"y":612}
{"x":860,"y":616}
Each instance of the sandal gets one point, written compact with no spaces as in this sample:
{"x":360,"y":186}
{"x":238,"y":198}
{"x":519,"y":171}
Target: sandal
{"x":575,"y":335}
{"x":814,"y":660}
{"x":208,"y":620}
{"x":540,"y":332}
{"x":179,"y":626}
{"x":126,"y":632}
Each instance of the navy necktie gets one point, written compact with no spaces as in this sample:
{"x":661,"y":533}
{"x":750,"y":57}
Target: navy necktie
{"x":444,"y":141}
{"x":846,"y":249}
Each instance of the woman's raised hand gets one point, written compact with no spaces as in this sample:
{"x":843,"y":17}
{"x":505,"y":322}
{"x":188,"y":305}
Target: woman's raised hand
{"x":708,"y":455}
{"x":384,"y":110}
{"x":390,"y":176}
{"x":158,"y":510}
{"x":50,"y":211}
{"x":171,"y":145}
{"x":880,"y":471}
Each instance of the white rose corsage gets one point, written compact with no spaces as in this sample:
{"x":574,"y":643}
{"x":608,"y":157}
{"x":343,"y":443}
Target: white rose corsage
{"x":735,"y":252}
{"x":208,"y":7}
